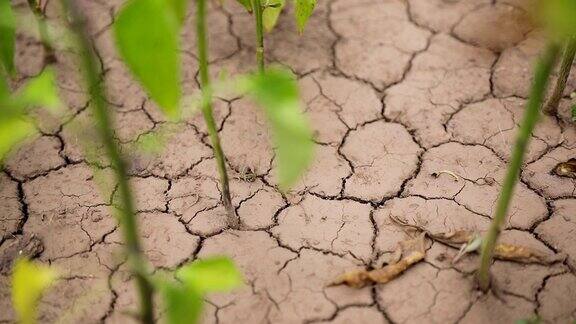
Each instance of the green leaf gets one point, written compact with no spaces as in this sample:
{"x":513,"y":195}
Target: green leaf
{"x":41,"y":91}
{"x":558,"y":16}
{"x":13,"y":130}
{"x":573,"y":112}
{"x":183,"y":304}
{"x":147,"y":33}
{"x":276,"y":91}
{"x":7,"y":36}
{"x":247,"y":4}
{"x":303,"y":10}
{"x":29,"y":281}
{"x":179,"y":9}
{"x":212,"y":274}
{"x":271,"y":13}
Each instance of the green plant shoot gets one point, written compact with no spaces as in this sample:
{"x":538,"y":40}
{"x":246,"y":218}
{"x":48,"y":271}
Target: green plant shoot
{"x":7,"y":37}
{"x":266,"y":15}
{"x":541,"y":76}
{"x":29,"y":281}
{"x":147,"y":34}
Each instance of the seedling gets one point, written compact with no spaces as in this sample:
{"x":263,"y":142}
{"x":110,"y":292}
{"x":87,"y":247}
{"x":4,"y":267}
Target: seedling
{"x":7,"y":37}
{"x":558,"y":17}
{"x":126,"y":212}
{"x":179,"y":298}
{"x":202,"y":43}
{"x":541,"y":75}
{"x":266,"y":14}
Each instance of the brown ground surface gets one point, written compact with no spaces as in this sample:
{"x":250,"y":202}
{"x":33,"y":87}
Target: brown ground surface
{"x":397,"y":90}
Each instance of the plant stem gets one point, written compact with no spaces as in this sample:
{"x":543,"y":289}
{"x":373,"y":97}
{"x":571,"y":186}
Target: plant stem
{"x":568,"y":54}
{"x":542,"y":73}
{"x":36,"y":9}
{"x":258,"y":10}
{"x":202,"y":44}
{"x":126,"y":210}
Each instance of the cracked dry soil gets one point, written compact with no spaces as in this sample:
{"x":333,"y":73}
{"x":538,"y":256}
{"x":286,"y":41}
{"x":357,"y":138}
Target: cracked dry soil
{"x":396,"y":90}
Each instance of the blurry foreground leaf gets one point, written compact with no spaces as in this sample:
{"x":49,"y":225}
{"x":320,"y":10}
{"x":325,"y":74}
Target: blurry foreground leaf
{"x":413,"y":251}
{"x":40,"y":91}
{"x":271,"y":13}
{"x":29,"y":281}
{"x":573,"y":113}
{"x":276,"y":91}
{"x":184,"y":298}
{"x":532,"y":320}
{"x":13,"y":130}
{"x":209,"y":275}
{"x":7,"y":36}
{"x":147,"y":33}
{"x":303,"y":10}
{"x":559,"y":16}
{"x":183,"y":304}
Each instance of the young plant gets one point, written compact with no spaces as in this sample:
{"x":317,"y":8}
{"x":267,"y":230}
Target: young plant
{"x":558,"y":18}
{"x":126,"y":212}
{"x":202,"y":44}
{"x":151,"y":52}
{"x":542,"y":73}
{"x":266,"y":14}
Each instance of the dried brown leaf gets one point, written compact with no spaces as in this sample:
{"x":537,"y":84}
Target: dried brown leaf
{"x":522,"y":254}
{"x":413,"y":251}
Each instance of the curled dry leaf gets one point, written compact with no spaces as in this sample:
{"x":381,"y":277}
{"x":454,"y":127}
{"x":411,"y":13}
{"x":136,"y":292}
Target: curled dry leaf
{"x":524,"y":254}
{"x":566,"y":169}
{"x":413,"y":251}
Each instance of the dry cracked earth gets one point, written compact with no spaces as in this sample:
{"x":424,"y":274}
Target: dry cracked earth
{"x":396,"y":90}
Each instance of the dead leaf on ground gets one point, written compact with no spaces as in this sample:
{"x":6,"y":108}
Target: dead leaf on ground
{"x":413,"y":251}
{"x":566,"y":169}
{"x":469,"y":241}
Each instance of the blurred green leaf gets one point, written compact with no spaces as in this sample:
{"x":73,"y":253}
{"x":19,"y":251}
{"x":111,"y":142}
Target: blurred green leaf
{"x":559,"y":16}
{"x":212,"y":274}
{"x":147,"y":33}
{"x":271,"y":13}
{"x":179,"y":9}
{"x":573,"y":113}
{"x":183,"y":304}
{"x":7,"y":36}
{"x":303,"y":10}
{"x":29,"y":281}
{"x":13,"y":130}
{"x":533,"y":320}
{"x":276,"y":91}
{"x":247,"y":4}
{"x":41,"y":91}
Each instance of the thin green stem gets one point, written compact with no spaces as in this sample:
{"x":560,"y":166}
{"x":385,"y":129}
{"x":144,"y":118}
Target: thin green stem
{"x":126,"y":210}
{"x":36,"y":9}
{"x":568,"y":55}
{"x":202,"y":43}
{"x":258,"y":10}
{"x":541,"y":76}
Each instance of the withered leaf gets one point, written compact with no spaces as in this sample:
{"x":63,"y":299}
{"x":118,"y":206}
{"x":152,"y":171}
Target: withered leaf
{"x":566,"y":169}
{"x":524,"y":254}
{"x":413,"y":251}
